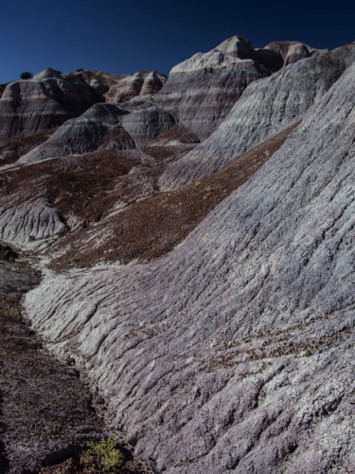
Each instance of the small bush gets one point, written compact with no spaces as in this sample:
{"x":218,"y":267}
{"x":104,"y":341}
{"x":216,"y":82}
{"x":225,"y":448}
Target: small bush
{"x":101,"y":456}
{"x":10,"y":311}
{"x":26,"y":75}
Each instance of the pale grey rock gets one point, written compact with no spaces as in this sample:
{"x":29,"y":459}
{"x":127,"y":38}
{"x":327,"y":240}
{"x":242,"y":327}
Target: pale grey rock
{"x":84,"y":134}
{"x":291,"y":51}
{"x":239,"y":47}
{"x":43,"y":102}
{"x":146,"y":124}
{"x":26,"y":223}
{"x":235,"y":352}
{"x":273,"y":56}
{"x":265,"y":108}
{"x":48,"y":73}
{"x":200,"y":91}
{"x":99,"y":86}
{"x":126,"y":87}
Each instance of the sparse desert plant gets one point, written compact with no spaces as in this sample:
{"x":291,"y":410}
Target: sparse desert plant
{"x":26,"y":75}
{"x":10,"y":311}
{"x":102,"y":456}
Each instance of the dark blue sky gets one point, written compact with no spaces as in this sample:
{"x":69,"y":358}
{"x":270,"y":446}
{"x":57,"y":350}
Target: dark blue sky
{"x":127,"y":36}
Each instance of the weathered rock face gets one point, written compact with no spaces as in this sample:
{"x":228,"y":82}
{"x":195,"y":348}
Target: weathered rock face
{"x":291,"y":51}
{"x":200,"y":91}
{"x":97,"y":126}
{"x":239,"y":47}
{"x":234,"y":352}
{"x":25,"y":223}
{"x":43,"y":102}
{"x":124,"y":88}
{"x":265,"y":108}
{"x":106,"y":126}
{"x":146,"y":124}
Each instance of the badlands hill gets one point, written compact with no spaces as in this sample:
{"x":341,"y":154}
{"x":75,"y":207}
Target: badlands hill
{"x":195,"y":235}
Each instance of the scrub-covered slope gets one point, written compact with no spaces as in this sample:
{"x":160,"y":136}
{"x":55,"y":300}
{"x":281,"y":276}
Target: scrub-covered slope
{"x":234,"y":353}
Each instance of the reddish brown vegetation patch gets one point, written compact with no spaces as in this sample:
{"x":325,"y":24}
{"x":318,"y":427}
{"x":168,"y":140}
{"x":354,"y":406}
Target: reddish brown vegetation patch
{"x":150,"y":229}
{"x":75,"y":185}
{"x":16,"y":147}
{"x":89,"y":186}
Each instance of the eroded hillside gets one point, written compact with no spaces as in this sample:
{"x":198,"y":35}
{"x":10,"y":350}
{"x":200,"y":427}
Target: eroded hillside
{"x":197,"y":248}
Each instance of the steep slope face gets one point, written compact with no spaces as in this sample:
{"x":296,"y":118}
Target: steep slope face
{"x":265,"y":108}
{"x":234,"y":352}
{"x":43,"y":102}
{"x":97,"y":126}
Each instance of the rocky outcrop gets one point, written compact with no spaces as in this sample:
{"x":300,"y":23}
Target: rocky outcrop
{"x":106,"y":126}
{"x":242,"y":48}
{"x":273,"y":56}
{"x":29,"y":221}
{"x":146,"y":124}
{"x":200,"y":91}
{"x":265,"y":108}
{"x":100,"y":125}
{"x":124,"y":88}
{"x":43,"y":102}
{"x":291,"y":51}
{"x":234,"y":352}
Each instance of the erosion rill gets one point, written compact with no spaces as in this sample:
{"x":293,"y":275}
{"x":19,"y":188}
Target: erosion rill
{"x":195,"y":235}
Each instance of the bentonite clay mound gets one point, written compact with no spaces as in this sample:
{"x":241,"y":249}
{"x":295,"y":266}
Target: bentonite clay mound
{"x":44,"y":102}
{"x":204,"y":286}
{"x":233,"y":353}
{"x":265,"y":108}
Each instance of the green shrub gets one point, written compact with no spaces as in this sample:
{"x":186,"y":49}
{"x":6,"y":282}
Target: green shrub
{"x":26,"y":75}
{"x":101,"y":456}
